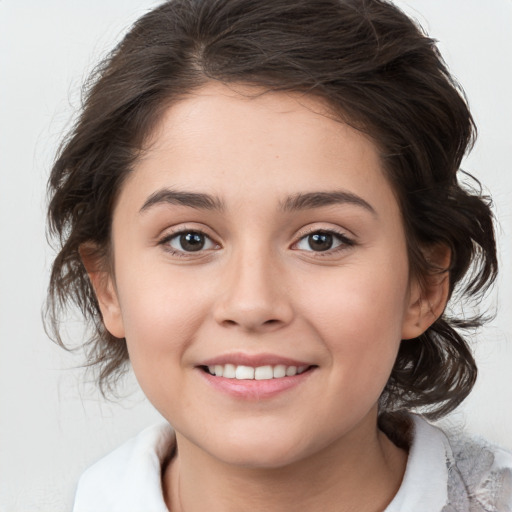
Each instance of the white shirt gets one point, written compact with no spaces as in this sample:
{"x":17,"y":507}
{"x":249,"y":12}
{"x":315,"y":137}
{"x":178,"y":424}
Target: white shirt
{"x":443,"y":474}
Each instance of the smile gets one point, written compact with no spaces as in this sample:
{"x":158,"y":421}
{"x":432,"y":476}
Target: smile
{"x":255,"y":377}
{"x":241,"y":372}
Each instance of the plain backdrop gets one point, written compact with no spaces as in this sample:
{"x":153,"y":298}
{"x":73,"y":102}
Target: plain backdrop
{"x":52,"y":424}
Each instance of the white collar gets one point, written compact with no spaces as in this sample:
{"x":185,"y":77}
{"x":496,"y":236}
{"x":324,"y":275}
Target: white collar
{"x":424,"y":486}
{"x":129,"y":478}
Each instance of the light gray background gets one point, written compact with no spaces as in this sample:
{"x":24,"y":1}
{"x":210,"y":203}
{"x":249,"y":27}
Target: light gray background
{"x":51,"y":424}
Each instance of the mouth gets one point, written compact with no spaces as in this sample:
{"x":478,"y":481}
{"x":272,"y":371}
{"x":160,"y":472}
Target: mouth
{"x":255,"y":377}
{"x":266,"y":372}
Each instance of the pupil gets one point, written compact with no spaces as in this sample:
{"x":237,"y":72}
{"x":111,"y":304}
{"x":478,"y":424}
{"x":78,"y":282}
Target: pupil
{"x":320,"y":241}
{"x":192,"y":241}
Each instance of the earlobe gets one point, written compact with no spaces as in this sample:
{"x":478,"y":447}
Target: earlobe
{"x":429,"y":297}
{"x":104,"y":288}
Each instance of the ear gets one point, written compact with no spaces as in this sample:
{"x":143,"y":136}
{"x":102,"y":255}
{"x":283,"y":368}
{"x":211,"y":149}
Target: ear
{"x":104,"y":287}
{"x":428,"y":294}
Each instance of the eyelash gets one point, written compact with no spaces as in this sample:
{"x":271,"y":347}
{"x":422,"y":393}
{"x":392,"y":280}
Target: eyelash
{"x":345,"y":242}
{"x":165,"y":243}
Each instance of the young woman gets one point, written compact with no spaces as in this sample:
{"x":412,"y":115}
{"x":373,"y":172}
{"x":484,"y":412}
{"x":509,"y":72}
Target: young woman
{"x":260,"y":209}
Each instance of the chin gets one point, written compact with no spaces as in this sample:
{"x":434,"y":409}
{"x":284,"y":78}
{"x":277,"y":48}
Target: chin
{"x":264,"y":451}
{"x":262,"y":456}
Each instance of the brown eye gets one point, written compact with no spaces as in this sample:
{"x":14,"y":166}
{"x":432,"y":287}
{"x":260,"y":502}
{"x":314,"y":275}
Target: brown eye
{"x":189,"y":241}
{"x":192,"y":241}
{"x":323,"y":241}
{"x":320,"y":241}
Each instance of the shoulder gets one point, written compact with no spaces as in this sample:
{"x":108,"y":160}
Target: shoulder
{"x":448,"y":472}
{"x":480,"y":475}
{"x":129,"y":478}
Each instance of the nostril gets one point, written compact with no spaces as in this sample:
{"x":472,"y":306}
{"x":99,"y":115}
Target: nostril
{"x":252,"y":325}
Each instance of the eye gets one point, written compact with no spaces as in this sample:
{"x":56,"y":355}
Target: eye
{"x":189,"y":241}
{"x":322,"y":241}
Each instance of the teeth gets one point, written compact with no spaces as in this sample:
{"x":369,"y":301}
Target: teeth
{"x":279,"y":371}
{"x":230,"y":371}
{"x":263,"y":373}
{"x":243,"y":373}
{"x":291,"y":371}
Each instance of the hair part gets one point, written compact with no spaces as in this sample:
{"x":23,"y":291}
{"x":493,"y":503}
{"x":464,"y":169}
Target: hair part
{"x":379,"y":73}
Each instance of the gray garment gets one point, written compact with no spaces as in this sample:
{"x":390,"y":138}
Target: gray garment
{"x":453,"y":473}
{"x":477,"y":482}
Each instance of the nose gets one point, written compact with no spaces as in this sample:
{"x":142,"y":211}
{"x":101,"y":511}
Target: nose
{"x":254,"y":297}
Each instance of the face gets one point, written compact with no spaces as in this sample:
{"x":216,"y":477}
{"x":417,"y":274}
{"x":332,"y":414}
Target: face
{"x":261,"y":276}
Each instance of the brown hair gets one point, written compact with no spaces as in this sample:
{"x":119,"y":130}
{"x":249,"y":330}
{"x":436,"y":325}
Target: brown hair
{"x":374,"y":67}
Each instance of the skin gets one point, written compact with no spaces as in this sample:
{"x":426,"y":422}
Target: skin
{"x":258,"y":287}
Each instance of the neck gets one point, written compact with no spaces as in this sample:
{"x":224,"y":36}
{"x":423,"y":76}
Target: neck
{"x":362,"y":472}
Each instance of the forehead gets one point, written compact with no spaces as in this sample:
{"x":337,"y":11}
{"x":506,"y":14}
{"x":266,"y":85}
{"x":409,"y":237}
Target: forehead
{"x":243,"y":141}
{"x":216,"y":109}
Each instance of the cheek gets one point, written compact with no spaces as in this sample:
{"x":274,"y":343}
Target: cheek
{"x":161,"y":315}
{"x":359,"y":314}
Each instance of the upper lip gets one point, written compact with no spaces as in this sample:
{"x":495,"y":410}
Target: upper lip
{"x":254,"y":360}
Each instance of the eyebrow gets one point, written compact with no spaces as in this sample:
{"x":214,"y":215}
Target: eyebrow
{"x":191,"y":199}
{"x":300,"y":201}
{"x":309,"y":200}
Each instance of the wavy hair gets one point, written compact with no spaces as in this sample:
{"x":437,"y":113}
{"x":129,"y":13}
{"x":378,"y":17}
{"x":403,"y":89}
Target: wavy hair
{"x":376,"y":69}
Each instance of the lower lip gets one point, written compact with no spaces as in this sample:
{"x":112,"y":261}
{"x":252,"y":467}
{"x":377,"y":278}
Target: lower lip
{"x":255,"y":389}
